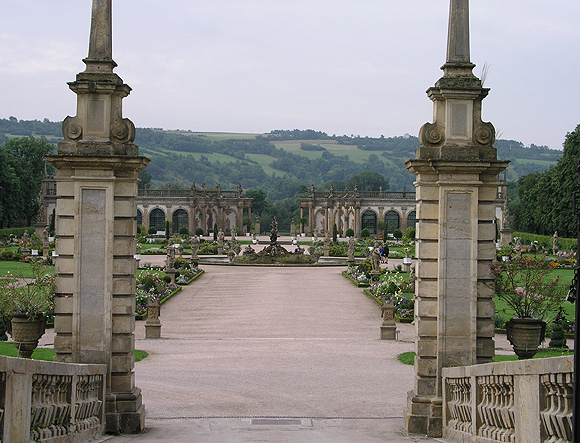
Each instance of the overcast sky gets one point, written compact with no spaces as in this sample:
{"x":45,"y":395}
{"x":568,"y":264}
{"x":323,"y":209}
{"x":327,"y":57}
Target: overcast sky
{"x":343,"y":67}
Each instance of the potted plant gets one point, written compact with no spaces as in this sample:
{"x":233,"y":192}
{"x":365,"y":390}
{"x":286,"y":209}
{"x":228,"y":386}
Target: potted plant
{"x":526,"y":286}
{"x":27,"y":304}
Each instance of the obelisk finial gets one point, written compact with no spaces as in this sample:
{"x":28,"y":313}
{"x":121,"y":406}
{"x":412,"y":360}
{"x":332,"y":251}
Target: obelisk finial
{"x":100,"y":56}
{"x":458,"y":37}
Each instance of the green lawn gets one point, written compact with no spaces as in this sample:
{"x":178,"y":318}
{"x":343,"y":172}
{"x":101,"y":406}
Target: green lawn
{"x":408,"y":358}
{"x":502,"y":309}
{"x":218,"y":136}
{"x":9,"y":350}
{"x":565,"y":276}
{"x":47,"y":354}
{"x":17,"y":269}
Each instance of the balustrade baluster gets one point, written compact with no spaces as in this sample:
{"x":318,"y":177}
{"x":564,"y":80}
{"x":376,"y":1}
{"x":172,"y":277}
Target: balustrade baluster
{"x":557,"y":414}
{"x":550,"y":411}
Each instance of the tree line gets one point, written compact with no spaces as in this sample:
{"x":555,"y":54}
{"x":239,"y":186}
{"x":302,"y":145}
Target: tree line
{"x":21,"y":174}
{"x":545,"y":201}
{"x":173,"y":163}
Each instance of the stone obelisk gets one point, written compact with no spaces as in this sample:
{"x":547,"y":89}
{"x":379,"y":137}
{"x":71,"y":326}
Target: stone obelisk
{"x":457,"y":180}
{"x":96,"y":176}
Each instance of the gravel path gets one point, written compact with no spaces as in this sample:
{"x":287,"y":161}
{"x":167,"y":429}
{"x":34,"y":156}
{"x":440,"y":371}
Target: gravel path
{"x":296,"y":347}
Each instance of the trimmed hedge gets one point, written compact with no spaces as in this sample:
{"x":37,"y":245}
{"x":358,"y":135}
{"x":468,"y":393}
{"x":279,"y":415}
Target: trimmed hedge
{"x":17,"y":232}
{"x":546,"y":240}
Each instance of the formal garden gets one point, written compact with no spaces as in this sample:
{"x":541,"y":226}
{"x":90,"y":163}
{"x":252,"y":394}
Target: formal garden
{"x":532,"y":275}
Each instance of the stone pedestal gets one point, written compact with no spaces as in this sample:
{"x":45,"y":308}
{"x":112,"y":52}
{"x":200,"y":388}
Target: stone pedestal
{"x":407,"y":264}
{"x":153,"y":324}
{"x":389,"y":326}
{"x":507,"y":236}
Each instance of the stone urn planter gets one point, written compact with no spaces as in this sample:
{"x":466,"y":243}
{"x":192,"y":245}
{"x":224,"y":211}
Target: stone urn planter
{"x":525,"y":335}
{"x":26,"y":332}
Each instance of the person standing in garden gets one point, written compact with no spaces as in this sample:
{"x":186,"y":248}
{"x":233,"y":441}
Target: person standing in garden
{"x":385,"y":254}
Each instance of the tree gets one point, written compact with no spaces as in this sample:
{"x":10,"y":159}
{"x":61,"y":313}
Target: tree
{"x":259,"y":204}
{"x":9,"y":189}
{"x":368,"y":181}
{"x":144,"y":179}
{"x":24,"y":157}
{"x":546,"y":199}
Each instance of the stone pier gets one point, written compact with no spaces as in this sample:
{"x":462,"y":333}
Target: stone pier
{"x":96,"y":178}
{"x":457,"y":180}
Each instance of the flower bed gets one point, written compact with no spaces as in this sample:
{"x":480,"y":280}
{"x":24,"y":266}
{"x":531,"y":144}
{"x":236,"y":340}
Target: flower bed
{"x":188,"y":277}
{"x":151,"y":287}
{"x":357,"y":276}
{"x":391,"y":289}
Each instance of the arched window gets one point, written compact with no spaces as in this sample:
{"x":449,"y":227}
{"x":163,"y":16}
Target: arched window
{"x":392,"y":221}
{"x":157,"y":219}
{"x":139,"y":218}
{"x":369,"y":221}
{"x":180,"y":220}
{"x":411,"y":219}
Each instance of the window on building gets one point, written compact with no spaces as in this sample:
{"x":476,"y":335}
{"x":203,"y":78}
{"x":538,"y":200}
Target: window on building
{"x":412,"y":219}
{"x":139,"y":218}
{"x":392,"y":221}
{"x":157,"y":219}
{"x":180,"y":220}
{"x":369,"y":221}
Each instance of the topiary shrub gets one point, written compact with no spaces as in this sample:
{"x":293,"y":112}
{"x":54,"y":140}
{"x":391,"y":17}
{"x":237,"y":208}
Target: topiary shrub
{"x":199,"y":231}
{"x":183,"y":231}
{"x":338,"y":249}
{"x":410,"y":232}
{"x":148,"y":283}
{"x":167,"y":279}
{"x":398,"y":234}
{"x":349,"y":232}
{"x":334,"y":233}
{"x":6,"y":255}
{"x":152,"y":230}
{"x":365,"y":233}
{"x":181,"y":263}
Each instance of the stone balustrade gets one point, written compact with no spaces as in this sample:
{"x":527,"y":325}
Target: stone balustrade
{"x":189,"y":193}
{"x":46,"y":401}
{"x":392,"y":195}
{"x":520,"y":401}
